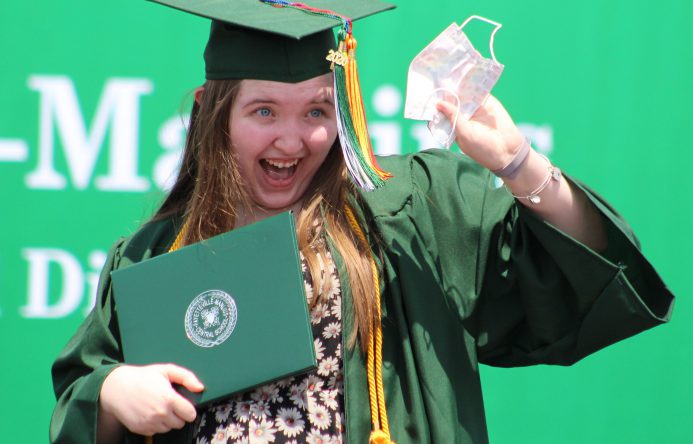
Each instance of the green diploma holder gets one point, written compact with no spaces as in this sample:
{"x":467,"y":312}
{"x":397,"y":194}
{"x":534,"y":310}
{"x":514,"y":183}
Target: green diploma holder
{"x":231,"y":308}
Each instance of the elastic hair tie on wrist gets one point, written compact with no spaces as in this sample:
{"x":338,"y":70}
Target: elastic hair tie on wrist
{"x":511,"y":169}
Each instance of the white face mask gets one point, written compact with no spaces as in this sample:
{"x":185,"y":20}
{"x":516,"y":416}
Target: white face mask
{"x":449,"y":68}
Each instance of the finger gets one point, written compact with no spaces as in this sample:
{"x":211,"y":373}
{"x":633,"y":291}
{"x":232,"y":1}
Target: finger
{"x":150,"y":428}
{"x":160,"y":428}
{"x":167,"y":417}
{"x":183,"y":409}
{"x":462,"y":128}
{"x":172,"y":421}
{"x":448,"y":109}
{"x":183,"y":376}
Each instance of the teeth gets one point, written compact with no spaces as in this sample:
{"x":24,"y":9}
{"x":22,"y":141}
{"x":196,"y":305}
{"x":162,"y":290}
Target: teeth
{"x":280,"y":164}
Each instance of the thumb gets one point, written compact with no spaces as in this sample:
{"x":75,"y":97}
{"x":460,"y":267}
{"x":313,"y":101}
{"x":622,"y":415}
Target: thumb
{"x":451,"y":112}
{"x":461,"y":125}
{"x":448,"y":109}
{"x":182,"y":376}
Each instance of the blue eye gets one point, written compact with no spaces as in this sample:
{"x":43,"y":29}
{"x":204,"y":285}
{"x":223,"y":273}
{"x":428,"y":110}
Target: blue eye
{"x":316,"y":113}
{"x":263,"y":112}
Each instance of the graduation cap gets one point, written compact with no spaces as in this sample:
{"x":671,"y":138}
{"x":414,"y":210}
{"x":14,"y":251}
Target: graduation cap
{"x":287,"y":41}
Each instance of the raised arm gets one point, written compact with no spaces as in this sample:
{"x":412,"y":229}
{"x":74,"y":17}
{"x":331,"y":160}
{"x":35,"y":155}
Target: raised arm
{"x":493,"y":140}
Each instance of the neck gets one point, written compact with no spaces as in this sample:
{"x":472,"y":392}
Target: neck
{"x":256,"y":213}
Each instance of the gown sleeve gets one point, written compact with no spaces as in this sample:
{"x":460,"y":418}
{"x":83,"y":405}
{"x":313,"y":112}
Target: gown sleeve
{"x":547,"y":298}
{"x":90,"y":355}
{"x":538,"y":296}
{"x":94,"y":351}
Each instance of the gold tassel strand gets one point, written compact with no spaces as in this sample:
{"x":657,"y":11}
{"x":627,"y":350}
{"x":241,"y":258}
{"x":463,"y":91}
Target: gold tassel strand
{"x":381,"y":430}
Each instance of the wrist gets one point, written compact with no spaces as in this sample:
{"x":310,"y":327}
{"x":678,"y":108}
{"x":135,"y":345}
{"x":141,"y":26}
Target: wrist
{"x":534,"y":179}
{"x":553,"y":174}
{"x":109,"y":388}
{"x":519,"y":156}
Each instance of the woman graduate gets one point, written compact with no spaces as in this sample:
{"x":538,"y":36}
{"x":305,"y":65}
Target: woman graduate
{"x":410,"y":285}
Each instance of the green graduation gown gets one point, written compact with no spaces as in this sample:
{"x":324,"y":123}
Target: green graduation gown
{"x":469,"y":276}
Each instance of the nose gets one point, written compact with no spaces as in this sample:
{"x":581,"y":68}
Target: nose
{"x":289,"y":139}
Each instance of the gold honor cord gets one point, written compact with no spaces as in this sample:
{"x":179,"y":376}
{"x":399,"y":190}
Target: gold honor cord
{"x":380,"y":434}
{"x":178,"y":242}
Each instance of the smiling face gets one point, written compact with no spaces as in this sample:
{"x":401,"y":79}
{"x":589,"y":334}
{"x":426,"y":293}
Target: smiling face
{"x":281,"y":134}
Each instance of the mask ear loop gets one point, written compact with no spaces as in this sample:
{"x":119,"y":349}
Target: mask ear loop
{"x":496,"y":25}
{"x":457,"y":111}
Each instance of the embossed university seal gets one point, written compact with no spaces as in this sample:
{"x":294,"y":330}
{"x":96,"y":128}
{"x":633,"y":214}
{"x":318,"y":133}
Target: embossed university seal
{"x":210,"y":318}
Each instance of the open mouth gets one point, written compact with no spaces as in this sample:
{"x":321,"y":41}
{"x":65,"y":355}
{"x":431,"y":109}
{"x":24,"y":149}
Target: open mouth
{"x":279,"y":170}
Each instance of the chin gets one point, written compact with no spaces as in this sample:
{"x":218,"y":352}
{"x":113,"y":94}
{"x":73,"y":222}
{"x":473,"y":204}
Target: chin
{"x":277,"y":205}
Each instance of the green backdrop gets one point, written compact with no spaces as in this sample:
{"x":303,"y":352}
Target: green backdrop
{"x":93,"y":98}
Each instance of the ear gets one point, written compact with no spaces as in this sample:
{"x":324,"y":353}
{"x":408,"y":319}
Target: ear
{"x":198,"y":94}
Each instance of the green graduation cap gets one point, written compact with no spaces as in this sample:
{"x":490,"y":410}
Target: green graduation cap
{"x":287,"y":41}
{"x":272,"y":40}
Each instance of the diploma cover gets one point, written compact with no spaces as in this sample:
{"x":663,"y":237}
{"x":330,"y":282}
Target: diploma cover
{"x":231,"y":308}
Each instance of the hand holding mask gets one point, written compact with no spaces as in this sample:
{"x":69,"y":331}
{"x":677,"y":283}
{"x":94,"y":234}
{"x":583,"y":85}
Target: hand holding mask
{"x":450,"y":69}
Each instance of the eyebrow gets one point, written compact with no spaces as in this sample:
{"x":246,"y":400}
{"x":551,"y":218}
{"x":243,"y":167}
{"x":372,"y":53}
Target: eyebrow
{"x":262,"y":100}
{"x":257,"y":101}
{"x":329,"y":99}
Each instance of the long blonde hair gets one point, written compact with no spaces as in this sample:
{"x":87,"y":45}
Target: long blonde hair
{"x":210,"y":192}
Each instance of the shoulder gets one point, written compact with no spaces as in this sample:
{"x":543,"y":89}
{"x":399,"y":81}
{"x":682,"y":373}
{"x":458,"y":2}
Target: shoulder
{"x":151,"y":239}
{"x":429,"y":172}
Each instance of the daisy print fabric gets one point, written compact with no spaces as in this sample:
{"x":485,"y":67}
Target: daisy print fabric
{"x":301,"y":409}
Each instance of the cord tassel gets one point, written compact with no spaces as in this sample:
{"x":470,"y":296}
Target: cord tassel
{"x":380,"y":433}
{"x":348,"y":101}
{"x":351,"y":117}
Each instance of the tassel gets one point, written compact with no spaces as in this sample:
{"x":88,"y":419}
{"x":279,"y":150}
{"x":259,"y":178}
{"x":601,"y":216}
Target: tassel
{"x":379,"y":437}
{"x":351,"y":117}
{"x":348,"y":100}
{"x":380,"y":433}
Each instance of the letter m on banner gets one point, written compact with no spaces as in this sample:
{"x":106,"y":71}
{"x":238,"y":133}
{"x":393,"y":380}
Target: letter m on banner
{"x":60,"y":114}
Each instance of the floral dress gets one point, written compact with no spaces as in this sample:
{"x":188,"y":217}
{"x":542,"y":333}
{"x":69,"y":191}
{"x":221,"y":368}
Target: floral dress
{"x":302,"y":409}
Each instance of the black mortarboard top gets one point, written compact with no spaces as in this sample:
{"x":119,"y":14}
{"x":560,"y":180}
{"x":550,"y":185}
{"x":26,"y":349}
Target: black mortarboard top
{"x":251,"y":39}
